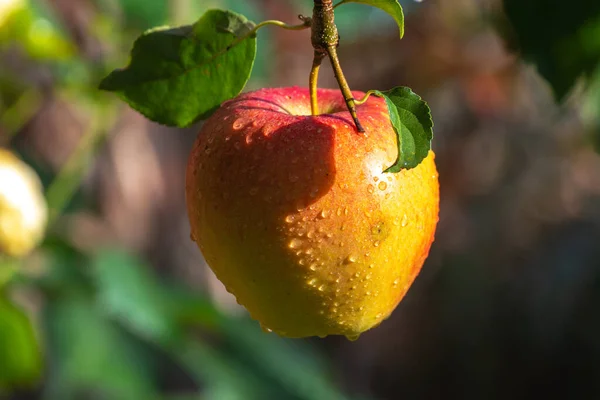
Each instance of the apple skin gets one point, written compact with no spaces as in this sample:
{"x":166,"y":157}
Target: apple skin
{"x":295,"y":216}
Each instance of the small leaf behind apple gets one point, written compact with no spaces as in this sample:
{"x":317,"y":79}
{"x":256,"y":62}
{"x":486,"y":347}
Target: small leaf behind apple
{"x":391,"y":7}
{"x":562,"y":40}
{"x":178,"y":76}
{"x":411,"y":118}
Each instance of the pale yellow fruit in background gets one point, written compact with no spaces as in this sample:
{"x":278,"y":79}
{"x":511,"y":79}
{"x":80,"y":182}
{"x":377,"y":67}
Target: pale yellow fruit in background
{"x":8,"y":7}
{"x":23,"y":210}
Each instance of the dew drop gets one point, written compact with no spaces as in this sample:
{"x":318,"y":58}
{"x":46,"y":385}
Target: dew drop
{"x":351,"y":259}
{"x":295,"y":243}
{"x":404,"y":220}
{"x":382,"y":185}
{"x":313,"y":267}
{"x":322,"y":288}
{"x":396,"y":281}
{"x":370,"y":189}
{"x":376,"y":244}
{"x":238,"y":124}
{"x":248,"y":139}
{"x":375,"y":178}
{"x":289,"y":219}
{"x":371,"y":265}
{"x":310,"y":234}
{"x":353,"y":338}
{"x":313,"y":282}
{"x":387,"y":196}
{"x":324,"y":214}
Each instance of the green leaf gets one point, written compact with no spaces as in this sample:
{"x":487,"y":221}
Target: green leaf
{"x":411,"y":118}
{"x":20,"y":356}
{"x":562,"y":40}
{"x":391,"y":7}
{"x":178,"y":76}
{"x":92,"y":355}
{"x":130,"y":293}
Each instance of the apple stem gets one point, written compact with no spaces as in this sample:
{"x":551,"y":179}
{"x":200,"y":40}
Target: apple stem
{"x":325,"y":39}
{"x":313,"y":80}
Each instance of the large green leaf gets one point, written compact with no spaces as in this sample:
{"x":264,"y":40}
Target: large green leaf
{"x":20,"y":357}
{"x":411,"y":118}
{"x":562,"y":39}
{"x":391,"y":7}
{"x":92,"y":355}
{"x":178,"y":76}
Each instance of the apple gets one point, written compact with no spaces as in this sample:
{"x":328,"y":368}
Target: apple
{"x":296,"y":217}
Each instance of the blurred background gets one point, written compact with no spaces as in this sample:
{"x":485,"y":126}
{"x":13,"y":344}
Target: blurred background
{"x":117,"y":302}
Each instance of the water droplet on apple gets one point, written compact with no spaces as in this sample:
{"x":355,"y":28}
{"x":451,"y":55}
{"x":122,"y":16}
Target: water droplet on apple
{"x":376,"y":244}
{"x":370,"y":189}
{"x":322,"y":288}
{"x":295,"y":243}
{"x":382,"y":185}
{"x":310,"y":234}
{"x":238,"y":124}
{"x":324,"y":214}
{"x":351,"y":259}
{"x":404,"y":220}
{"x":265,"y":329}
{"x":313,"y":282}
{"x":313,"y":267}
{"x":289,"y":219}
{"x":396,"y":281}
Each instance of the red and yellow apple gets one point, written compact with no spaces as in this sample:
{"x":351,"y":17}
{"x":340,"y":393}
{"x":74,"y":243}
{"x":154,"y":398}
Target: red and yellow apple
{"x":296,"y":217}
